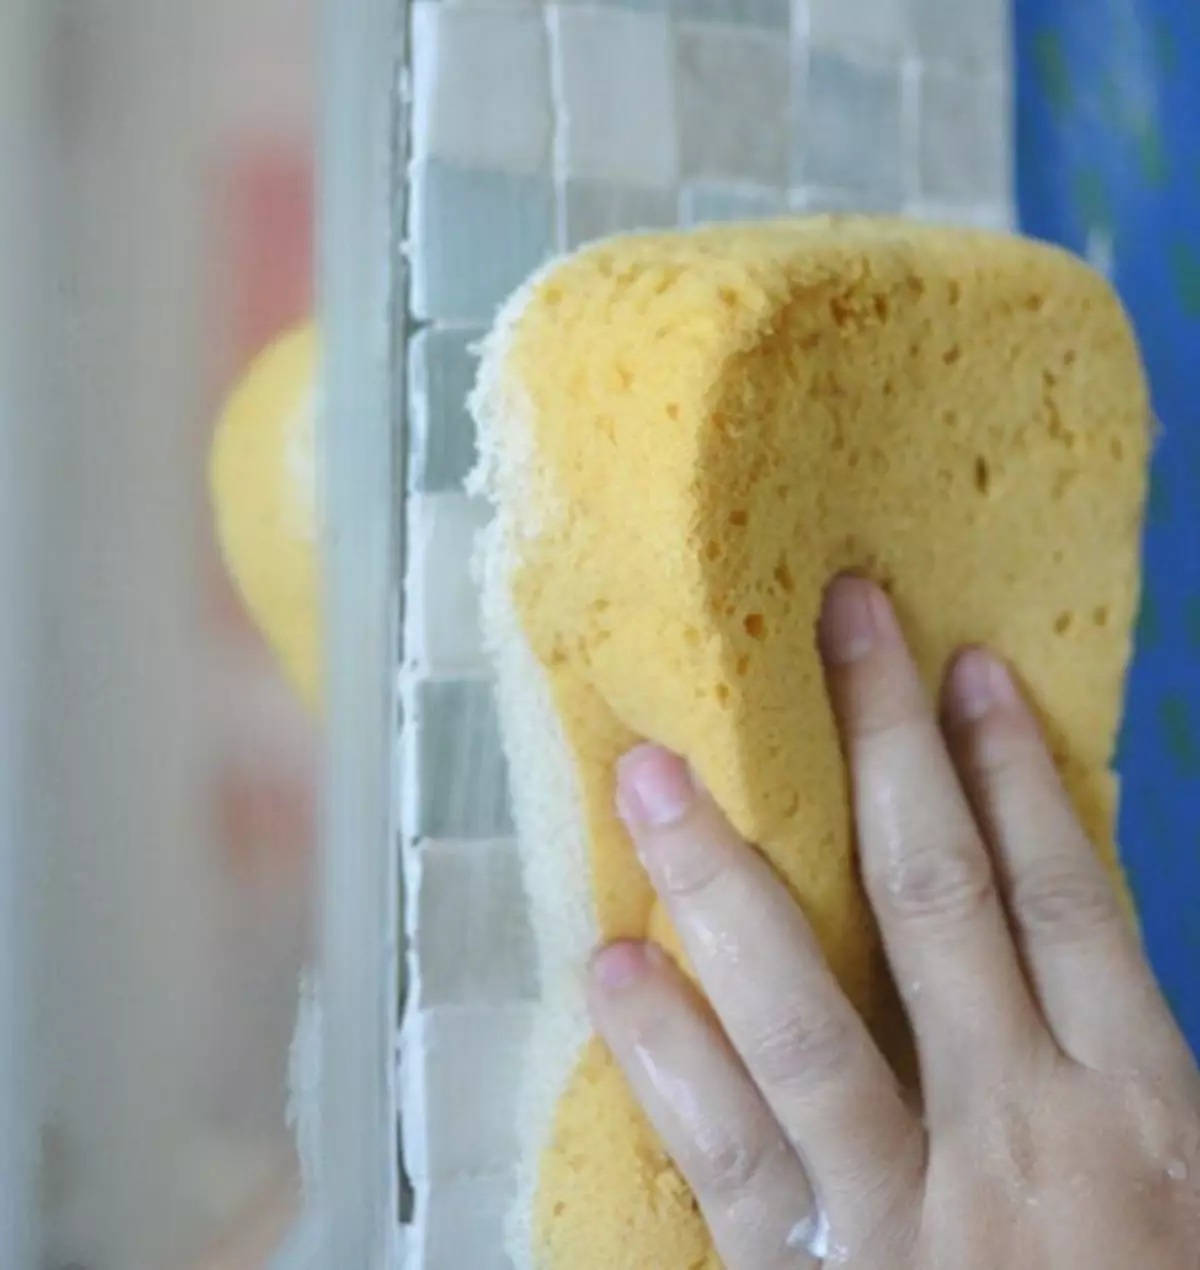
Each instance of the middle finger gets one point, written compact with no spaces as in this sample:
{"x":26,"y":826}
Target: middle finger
{"x":924,"y":862}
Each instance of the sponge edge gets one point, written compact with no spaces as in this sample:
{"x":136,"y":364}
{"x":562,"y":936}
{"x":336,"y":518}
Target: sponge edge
{"x":684,"y":437}
{"x":545,"y":789}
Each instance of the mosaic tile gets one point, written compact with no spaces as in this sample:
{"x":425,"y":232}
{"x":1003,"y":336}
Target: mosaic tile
{"x":848,"y":131}
{"x":471,"y":1123}
{"x":732,"y":90}
{"x":961,"y":31}
{"x":963,"y":139}
{"x":594,"y":209}
{"x":767,"y":15}
{"x":709,"y":204}
{"x":481,"y":86}
{"x":618,"y":118}
{"x":474,"y":942}
{"x":844,"y":25}
{"x":994,"y":216}
{"x":636,"y":6}
{"x":444,"y":634}
{"x":476,"y":236}
{"x":818,"y":200}
{"x":461,"y":776}
{"x":441,"y":372}
{"x":465,"y":1225}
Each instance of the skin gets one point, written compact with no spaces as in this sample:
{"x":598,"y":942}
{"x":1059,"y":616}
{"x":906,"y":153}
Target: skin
{"x":1059,"y":1120}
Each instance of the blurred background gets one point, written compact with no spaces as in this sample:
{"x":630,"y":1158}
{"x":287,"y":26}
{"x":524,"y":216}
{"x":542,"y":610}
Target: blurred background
{"x":173,"y":773}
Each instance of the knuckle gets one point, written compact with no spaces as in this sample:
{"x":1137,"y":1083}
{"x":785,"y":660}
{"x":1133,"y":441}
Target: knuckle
{"x":1063,"y":904}
{"x":801,"y":1048}
{"x":941,"y":885}
{"x":724,"y":1163}
{"x":690,"y":869}
{"x":886,"y":707}
{"x":998,"y":753}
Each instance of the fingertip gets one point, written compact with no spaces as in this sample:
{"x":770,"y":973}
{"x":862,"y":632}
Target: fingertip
{"x":655,"y":788}
{"x":619,"y":966}
{"x":856,"y":618}
{"x":979,"y":684}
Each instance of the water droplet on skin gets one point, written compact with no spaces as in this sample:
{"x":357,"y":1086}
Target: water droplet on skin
{"x":1177,"y":1171}
{"x":811,"y":1235}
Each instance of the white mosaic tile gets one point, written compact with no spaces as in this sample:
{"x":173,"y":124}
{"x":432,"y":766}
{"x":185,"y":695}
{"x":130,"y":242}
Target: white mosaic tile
{"x":475,"y":236}
{"x":635,"y":6}
{"x":878,"y":25}
{"x":732,"y":94}
{"x":705,"y":204}
{"x":963,"y":139}
{"x":460,"y":775}
{"x":614,"y":81}
{"x":444,"y":634}
{"x":994,"y":216}
{"x":470,"y":1128}
{"x":766,"y":15}
{"x":441,"y":372}
{"x":849,"y":126}
{"x":595,"y":209}
{"x":481,"y":86}
{"x":819,"y":200}
{"x":473,"y":938}
{"x":961,"y":32}
{"x":465,"y":1225}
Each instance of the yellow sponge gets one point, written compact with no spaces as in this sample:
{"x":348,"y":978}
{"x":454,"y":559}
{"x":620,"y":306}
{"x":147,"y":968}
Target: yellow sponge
{"x":685,"y":437}
{"x":263,"y":480}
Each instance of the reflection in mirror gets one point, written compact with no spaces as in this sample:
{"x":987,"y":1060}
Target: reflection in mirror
{"x":175,"y":764}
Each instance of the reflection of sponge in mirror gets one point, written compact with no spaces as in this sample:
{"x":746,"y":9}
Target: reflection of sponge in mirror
{"x":263,"y":481}
{"x":685,"y":437}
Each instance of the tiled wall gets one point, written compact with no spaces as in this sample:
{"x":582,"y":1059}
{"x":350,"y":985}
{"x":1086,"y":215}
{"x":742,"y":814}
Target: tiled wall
{"x":537,"y":127}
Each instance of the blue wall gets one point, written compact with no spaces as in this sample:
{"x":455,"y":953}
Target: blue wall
{"x":1108,"y":161}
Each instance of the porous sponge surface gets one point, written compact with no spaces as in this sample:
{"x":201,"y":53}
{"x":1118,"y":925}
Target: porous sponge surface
{"x":686,"y":436}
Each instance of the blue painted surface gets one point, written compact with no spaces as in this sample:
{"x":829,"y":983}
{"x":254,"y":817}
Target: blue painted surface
{"x":1108,"y":160}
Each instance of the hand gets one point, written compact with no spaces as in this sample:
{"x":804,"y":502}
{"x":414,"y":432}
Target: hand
{"x":1059,"y":1124}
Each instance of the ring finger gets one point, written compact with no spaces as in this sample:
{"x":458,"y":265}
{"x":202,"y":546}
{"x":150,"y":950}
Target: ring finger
{"x":750,"y":1185}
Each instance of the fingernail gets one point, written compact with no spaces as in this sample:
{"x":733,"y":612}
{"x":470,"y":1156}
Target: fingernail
{"x":855,"y":618}
{"x":654,"y":788}
{"x":620,"y":965}
{"x":979,"y":683}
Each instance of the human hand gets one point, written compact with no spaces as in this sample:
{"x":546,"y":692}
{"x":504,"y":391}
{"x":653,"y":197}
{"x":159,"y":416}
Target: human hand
{"x":1059,"y":1121}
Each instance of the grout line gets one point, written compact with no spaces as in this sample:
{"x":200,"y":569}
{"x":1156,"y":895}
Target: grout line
{"x":552,"y":18}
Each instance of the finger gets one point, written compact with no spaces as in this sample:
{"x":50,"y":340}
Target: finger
{"x":758,"y":962}
{"x":924,"y":862}
{"x":1081,"y":954}
{"x":749,"y":1183}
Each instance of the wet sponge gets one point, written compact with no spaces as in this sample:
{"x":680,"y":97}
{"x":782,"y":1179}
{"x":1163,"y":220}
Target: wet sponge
{"x":685,"y":437}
